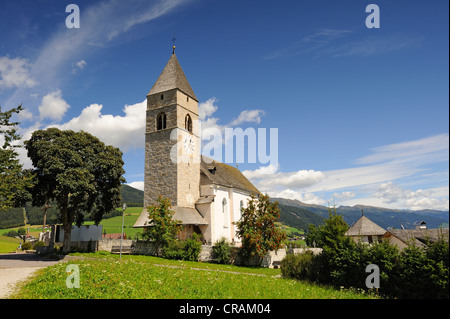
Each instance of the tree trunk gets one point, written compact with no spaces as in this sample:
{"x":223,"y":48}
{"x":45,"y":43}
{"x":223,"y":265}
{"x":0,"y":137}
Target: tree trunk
{"x":67,"y":220}
{"x":66,"y":242}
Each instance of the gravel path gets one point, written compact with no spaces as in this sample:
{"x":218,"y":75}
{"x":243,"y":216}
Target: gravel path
{"x":17,"y":267}
{"x":10,"y":277}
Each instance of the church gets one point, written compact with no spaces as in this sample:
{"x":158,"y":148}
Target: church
{"x":206,"y":195}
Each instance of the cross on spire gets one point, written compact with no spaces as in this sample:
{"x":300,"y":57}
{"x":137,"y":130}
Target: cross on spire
{"x":173,"y":41}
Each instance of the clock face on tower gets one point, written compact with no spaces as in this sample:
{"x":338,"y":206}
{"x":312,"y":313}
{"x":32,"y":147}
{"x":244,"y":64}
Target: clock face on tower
{"x":188,"y":144}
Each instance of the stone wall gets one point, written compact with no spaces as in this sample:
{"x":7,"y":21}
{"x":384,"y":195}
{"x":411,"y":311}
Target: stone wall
{"x":107,"y":244}
{"x":146,"y":248}
{"x":271,"y":260}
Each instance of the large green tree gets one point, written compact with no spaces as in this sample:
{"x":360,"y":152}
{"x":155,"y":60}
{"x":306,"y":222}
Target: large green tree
{"x":329,"y":234}
{"x":257,"y":227}
{"x":79,"y":172}
{"x":163,"y":229}
{"x":13,"y":180}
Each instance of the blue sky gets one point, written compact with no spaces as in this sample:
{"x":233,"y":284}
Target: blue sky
{"x":362,"y":114}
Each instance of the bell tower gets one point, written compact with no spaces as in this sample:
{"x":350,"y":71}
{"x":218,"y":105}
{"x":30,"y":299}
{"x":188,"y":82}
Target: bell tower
{"x":172,"y":154}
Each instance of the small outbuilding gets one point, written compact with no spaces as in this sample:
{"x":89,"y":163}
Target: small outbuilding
{"x":366,"y":231}
{"x":420,"y":237}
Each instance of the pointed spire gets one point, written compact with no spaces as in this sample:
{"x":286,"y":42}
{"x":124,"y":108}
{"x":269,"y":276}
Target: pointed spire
{"x":172,"y":77}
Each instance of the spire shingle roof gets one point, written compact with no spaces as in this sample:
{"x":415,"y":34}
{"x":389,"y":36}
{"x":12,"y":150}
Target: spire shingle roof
{"x":172,"y":77}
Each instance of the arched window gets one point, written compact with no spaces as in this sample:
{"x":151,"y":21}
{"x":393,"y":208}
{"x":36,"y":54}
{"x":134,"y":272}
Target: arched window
{"x":161,"y":121}
{"x":241,"y":207}
{"x":225,"y":213}
{"x":188,"y":123}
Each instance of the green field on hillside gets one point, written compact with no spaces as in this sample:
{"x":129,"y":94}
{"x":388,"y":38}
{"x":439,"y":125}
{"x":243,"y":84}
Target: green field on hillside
{"x":113,"y":225}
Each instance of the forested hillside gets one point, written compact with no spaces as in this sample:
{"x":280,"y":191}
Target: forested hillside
{"x":299,"y":218}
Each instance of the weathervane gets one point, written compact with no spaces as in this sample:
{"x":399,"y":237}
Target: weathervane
{"x":173,"y":41}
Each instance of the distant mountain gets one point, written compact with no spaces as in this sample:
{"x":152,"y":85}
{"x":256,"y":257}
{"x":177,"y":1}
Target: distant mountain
{"x":298,"y":214}
{"x":298,"y":217}
{"x":385,"y":217}
{"x":132,"y":196}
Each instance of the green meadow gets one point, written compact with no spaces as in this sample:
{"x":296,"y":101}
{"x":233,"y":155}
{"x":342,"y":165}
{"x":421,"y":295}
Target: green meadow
{"x":104,"y":276}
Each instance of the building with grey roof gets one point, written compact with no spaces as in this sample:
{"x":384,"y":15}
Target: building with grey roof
{"x":207,"y":196}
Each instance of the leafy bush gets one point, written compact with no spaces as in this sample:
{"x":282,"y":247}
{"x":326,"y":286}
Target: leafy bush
{"x":423,"y":273}
{"x":192,"y":247}
{"x":38,"y":244}
{"x":301,"y":266}
{"x":221,"y":251}
{"x":26,"y":246}
{"x":174,"y":250}
{"x":188,"y":249}
{"x":11,"y":233}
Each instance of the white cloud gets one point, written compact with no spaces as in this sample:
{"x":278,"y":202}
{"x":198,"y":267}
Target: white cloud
{"x":101,"y":23}
{"x":25,"y":115}
{"x":78,"y":66}
{"x":262,"y":171}
{"x":373,"y":45}
{"x":307,"y":198}
{"x":138,"y":185}
{"x":248,"y":116}
{"x":389,"y":193}
{"x":268,"y":179}
{"x":206,"y":109}
{"x":312,"y":43}
{"x":430,"y":149}
{"x":214,"y":135}
{"x":337,"y":43}
{"x":344,"y":195}
{"x":81,"y":64}
{"x":360,"y":176}
{"x":25,"y":133}
{"x":296,"y":180}
{"x":371,"y":184}
{"x":53,"y":106}
{"x":15,"y":73}
{"x":125,"y":132}
{"x":432,"y":198}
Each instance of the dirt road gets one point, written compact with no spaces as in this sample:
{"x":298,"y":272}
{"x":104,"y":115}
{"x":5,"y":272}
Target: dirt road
{"x":17,"y":267}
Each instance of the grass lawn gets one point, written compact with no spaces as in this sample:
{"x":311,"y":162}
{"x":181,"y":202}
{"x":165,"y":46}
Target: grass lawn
{"x":113,"y":225}
{"x":8,"y":244}
{"x":104,"y":276}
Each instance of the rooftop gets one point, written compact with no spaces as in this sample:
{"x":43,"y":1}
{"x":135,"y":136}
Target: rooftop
{"x":365,"y":227}
{"x":172,"y":77}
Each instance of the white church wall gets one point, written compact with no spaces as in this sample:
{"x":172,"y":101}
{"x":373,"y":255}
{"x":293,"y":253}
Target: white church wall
{"x":220,"y":222}
{"x":222,"y":218}
{"x":223,"y":222}
{"x":238,"y":197}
